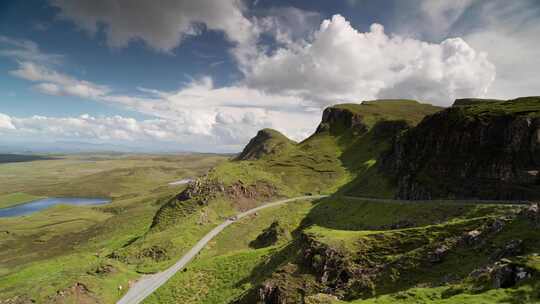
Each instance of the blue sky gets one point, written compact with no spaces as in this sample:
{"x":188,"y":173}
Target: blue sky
{"x":206,"y":75}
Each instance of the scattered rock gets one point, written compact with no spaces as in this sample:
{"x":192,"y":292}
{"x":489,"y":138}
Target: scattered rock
{"x":532,"y":213}
{"x":472,"y":237}
{"x":438,"y":254}
{"x":505,"y":275}
{"x":496,"y":226}
{"x":502,"y":274}
{"x":201,"y":189}
{"x":104,"y":269}
{"x":270,"y":293}
{"x":512,"y":248}
{"x":156,"y":253}
{"x":78,"y":293}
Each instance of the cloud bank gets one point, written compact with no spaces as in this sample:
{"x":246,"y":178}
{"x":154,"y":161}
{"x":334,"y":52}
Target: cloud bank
{"x":162,"y":25}
{"x":284,"y":86}
{"x":342,"y":64}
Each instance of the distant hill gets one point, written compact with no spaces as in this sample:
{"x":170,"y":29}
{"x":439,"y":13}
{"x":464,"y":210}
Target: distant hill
{"x":18,"y":158}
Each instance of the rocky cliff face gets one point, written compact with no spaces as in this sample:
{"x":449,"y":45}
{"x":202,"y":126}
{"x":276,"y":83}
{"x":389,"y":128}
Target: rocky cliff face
{"x":335,"y":120}
{"x":475,"y":149}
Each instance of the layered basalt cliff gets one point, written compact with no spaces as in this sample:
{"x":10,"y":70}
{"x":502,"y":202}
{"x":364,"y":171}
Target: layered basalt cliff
{"x":336,"y":120}
{"x":483,"y":149}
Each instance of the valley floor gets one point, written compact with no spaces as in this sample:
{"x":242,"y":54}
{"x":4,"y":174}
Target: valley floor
{"x":61,"y":254}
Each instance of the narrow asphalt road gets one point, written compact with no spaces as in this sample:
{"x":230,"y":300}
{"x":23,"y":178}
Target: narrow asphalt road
{"x":148,"y":284}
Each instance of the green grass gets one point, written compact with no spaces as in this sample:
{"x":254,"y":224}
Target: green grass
{"x":289,"y":217}
{"x":356,"y":214}
{"x":51,"y":250}
{"x":391,"y":109}
{"x":328,"y":161}
{"x":217,"y":280}
{"x":265,"y":144}
{"x":524,"y":105}
{"x":100,"y":175}
{"x":227,"y":267}
{"x":13,"y":199}
{"x":524,"y":294}
{"x":410,"y":278}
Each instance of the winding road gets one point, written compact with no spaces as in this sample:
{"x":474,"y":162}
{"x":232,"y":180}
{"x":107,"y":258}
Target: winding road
{"x":148,"y":284}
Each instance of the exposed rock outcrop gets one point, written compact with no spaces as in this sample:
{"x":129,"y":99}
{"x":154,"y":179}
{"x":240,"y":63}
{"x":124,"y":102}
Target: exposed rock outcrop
{"x":502,"y":274}
{"x":485,"y":150}
{"x":336,"y":119}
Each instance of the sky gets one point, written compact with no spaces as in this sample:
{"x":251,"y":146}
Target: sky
{"x":206,"y":75}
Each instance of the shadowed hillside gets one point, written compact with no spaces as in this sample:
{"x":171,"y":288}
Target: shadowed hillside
{"x":487,"y":149}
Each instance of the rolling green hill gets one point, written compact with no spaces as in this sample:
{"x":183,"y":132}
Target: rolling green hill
{"x":363,"y":244}
{"x":341,"y":249}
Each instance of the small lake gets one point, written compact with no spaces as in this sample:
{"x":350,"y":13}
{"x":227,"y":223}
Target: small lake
{"x":37,"y":205}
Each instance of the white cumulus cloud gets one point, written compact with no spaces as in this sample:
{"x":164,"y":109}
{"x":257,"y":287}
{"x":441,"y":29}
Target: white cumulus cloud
{"x":5,"y":122}
{"x":343,"y":64}
{"x":54,"y":83}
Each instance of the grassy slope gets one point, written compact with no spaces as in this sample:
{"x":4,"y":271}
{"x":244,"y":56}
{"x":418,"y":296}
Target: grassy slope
{"x":228,"y":268}
{"x":51,"y":250}
{"x":392,"y":109}
{"x":325,"y":163}
{"x":13,"y":199}
{"x":523,"y":105}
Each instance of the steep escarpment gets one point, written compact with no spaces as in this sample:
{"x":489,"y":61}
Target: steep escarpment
{"x":484,"y":149}
{"x":360,"y":118}
{"x":338,"y":119}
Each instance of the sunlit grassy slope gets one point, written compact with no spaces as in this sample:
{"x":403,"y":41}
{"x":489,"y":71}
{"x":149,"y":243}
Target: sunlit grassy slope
{"x":52,"y":250}
{"x":229,"y":269}
{"x":344,"y":159}
{"x":133,"y":237}
{"x":330,"y":159}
